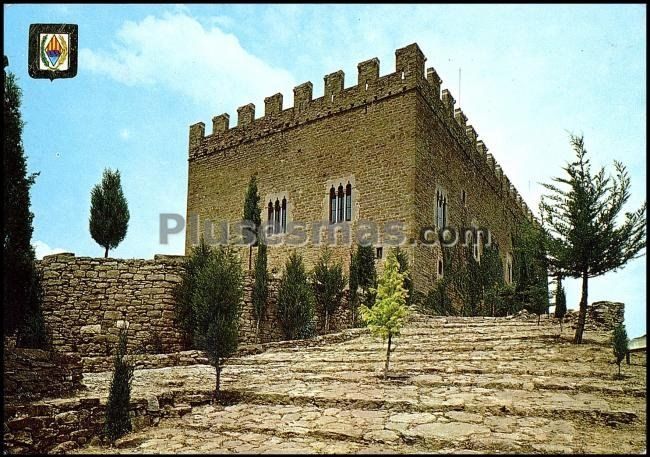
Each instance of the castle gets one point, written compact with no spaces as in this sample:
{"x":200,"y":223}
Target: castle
{"x":388,"y":150}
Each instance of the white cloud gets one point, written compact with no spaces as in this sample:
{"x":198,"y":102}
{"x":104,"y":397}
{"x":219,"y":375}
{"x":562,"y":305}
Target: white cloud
{"x":176,"y":52}
{"x":42,"y":249}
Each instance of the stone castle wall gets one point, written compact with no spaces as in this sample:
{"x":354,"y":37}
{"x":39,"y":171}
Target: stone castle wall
{"x":86,"y":300}
{"x":396,"y":138}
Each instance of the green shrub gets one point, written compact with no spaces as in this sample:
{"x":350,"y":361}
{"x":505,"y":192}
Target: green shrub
{"x":389,"y":312}
{"x":295,"y":300}
{"x":260,"y":294}
{"x":117,"y":420}
{"x":328,"y":282}
{"x":216,"y":306}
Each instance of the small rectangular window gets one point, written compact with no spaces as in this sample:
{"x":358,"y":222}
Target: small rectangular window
{"x":380,"y":252}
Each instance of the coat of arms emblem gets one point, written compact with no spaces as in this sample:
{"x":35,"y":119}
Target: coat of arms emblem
{"x":52,"y":50}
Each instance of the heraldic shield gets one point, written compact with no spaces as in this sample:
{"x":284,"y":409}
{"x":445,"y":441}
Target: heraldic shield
{"x":53,"y":51}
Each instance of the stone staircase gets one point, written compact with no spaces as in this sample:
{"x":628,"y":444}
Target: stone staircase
{"x":489,"y":385}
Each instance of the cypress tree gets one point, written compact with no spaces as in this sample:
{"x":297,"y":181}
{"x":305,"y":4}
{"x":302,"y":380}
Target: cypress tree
{"x":295,"y":300}
{"x":21,"y":283}
{"x":117,"y":419}
{"x":216,"y":305}
{"x":620,"y":345}
{"x":328,"y":283}
{"x":252,"y":213}
{"x":260,"y":288}
{"x":109,"y":212}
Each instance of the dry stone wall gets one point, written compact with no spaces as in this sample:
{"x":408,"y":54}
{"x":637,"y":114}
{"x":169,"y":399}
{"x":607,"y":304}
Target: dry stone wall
{"x":86,"y":300}
{"x":31,"y":374}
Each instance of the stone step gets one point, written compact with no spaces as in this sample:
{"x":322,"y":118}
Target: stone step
{"x":257,"y":428}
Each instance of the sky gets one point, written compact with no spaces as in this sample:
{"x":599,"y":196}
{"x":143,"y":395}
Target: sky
{"x":525,"y":75}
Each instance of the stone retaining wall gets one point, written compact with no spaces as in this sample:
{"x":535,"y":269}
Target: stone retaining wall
{"x":31,"y":374}
{"x":601,"y":315}
{"x":86,"y":300}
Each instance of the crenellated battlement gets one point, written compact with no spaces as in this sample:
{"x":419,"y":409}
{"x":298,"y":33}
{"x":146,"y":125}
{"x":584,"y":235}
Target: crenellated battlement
{"x":370,"y":88}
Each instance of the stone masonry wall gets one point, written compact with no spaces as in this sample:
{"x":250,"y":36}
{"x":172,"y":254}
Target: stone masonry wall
{"x":86,"y":300}
{"x":31,"y":374}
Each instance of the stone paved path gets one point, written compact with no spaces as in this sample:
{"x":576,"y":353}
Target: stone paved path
{"x":457,"y":385}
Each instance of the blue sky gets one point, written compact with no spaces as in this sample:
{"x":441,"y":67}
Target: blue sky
{"x":529,"y":74}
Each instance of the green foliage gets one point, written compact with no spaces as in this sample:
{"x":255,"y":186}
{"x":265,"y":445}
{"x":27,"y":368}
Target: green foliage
{"x":117,"y":419}
{"x":402,"y":259}
{"x":21,"y":286}
{"x":295,"y":300}
{"x":185,"y":289}
{"x":363,"y":278}
{"x":32,"y":332}
{"x":386,"y":317}
{"x":216,"y":305}
{"x":109,"y":212}
{"x":328,"y":282}
{"x":252,"y":211}
{"x":530,"y":269}
{"x":260,"y":287}
{"x":581,"y":215}
{"x":560,"y":299}
{"x":437,"y":301}
{"x":619,"y":344}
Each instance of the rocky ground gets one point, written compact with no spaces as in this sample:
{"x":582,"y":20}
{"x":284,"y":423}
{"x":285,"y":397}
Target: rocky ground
{"x":457,"y":385}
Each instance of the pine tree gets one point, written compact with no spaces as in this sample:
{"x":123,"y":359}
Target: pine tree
{"x":260,"y":288}
{"x":117,"y":419}
{"x":620,"y":345}
{"x":328,"y":283}
{"x":584,"y":239}
{"x":109,"y":212}
{"x":295,"y":300}
{"x":386,"y":317}
{"x":252,"y":213}
{"x":21,"y":291}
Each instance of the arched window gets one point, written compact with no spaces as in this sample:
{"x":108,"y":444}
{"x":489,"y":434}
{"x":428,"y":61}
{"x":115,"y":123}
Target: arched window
{"x":276,"y":224}
{"x":332,"y":205}
{"x":283,"y":221}
{"x":348,"y":202}
{"x":340,"y":204}
{"x":270,"y":218}
{"x":440,"y":268}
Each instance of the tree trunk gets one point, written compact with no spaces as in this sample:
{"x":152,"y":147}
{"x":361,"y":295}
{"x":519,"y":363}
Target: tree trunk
{"x":582,"y":314}
{"x":327,"y":321}
{"x":387,"y":356}
{"x":257,"y":330}
{"x":106,"y":253}
{"x":250,"y":257}
{"x":218,"y":384}
{"x":619,"y":369}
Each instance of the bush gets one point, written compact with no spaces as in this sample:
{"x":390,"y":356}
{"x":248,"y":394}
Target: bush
{"x":32,"y":332}
{"x":328,"y":283}
{"x":295,"y":299}
{"x":117,"y":420}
